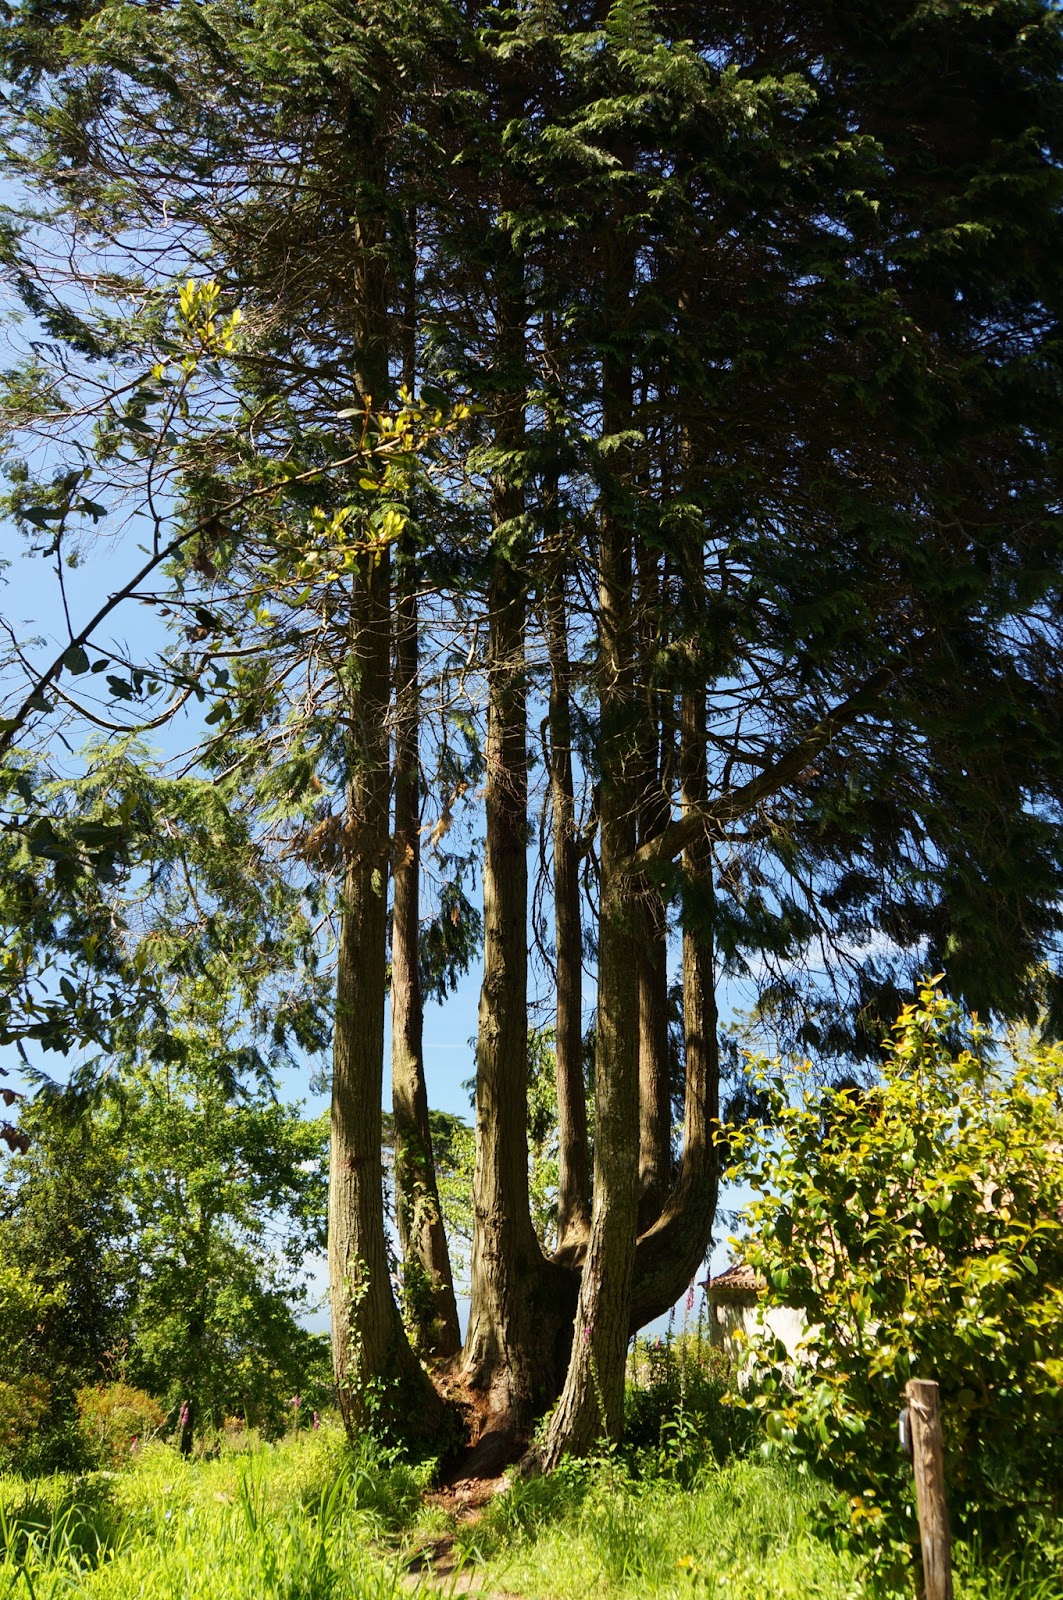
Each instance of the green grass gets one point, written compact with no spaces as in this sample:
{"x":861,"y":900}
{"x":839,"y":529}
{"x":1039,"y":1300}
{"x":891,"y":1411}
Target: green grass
{"x":745,"y":1529}
{"x":302,"y":1520}
{"x":308,"y":1519}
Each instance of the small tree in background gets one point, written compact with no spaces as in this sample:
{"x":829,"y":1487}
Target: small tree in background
{"x":167,"y":1219}
{"x":64,"y":1217}
{"x":229,"y":1191}
{"x":919,"y":1225}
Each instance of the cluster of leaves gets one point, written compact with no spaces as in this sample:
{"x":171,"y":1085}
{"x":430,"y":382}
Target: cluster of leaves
{"x":24,"y":1396}
{"x":872,"y":504}
{"x":919,"y":1225}
{"x":159,"y":1225}
{"x":680,"y":1413}
{"x":114,"y":1419}
{"x":117,"y":880}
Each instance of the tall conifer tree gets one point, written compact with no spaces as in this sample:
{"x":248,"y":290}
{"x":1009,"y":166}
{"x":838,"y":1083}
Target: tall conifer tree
{"x":760,"y":311}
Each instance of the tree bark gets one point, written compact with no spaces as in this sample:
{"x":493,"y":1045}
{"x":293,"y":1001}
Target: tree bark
{"x":428,"y":1284}
{"x":573,"y":1200}
{"x":592,"y":1401}
{"x":655,"y":1097}
{"x":670,"y":1253}
{"x":378,"y":1377}
{"x":519,"y":1319}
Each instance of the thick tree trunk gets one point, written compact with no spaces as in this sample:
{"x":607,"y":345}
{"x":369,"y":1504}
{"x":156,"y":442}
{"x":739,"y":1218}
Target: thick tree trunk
{"x":670,"y":1253}
{"x":378,"y":1377}
{"x":515,"y":1346}
{"x":428,"y":1284}
{"x":519,"y":1319}
{"x":655,"y":1097}
{"x":573,"y":1200}
{"x":592,"y":1402}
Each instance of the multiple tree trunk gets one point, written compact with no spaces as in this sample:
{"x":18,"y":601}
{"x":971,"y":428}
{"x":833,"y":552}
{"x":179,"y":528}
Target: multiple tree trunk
{"x":377,"y":1373}
{"x":378,"y":1376}
{"x":754,"y":509}
{"x":541,"y":1324}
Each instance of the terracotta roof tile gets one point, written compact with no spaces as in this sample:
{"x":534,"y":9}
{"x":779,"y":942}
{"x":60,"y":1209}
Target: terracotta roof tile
{"x":738,"y":1282}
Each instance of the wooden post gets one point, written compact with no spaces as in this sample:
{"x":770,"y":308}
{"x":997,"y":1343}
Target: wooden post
{"x":928,"y":1466}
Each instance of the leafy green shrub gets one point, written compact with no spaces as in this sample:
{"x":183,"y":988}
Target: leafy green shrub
{"x":680,"y":1412}
{"x":24,"y":1407}
{"x":114,"y":1419}
{"x":31,"y":1437}
{"x":919,"y":1225}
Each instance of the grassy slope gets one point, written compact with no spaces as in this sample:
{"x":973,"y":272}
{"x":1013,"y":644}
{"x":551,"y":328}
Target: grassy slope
{"x":302,"y":1520}
{"x":743,"y":1531}
{"x":307,"y":1520}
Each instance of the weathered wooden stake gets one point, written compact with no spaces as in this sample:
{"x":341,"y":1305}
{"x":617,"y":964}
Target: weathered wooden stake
{"x":929,"y":1468}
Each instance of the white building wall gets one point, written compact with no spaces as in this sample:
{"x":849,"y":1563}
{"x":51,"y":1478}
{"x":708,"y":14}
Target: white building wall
{"x":733,"y":1322}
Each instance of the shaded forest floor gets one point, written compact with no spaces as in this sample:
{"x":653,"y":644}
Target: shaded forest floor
{"x":308,"y":1518}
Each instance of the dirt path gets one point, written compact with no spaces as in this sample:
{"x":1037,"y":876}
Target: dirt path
{"x":438,"y":1562}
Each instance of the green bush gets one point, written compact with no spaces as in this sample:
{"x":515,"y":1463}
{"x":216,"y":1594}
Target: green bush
{"x":25,"y":1401}
{"x":680,"y":1413}
{"x":919,"y":1224}
{"x":114,"y":1421}
{"x":32,"y":1438}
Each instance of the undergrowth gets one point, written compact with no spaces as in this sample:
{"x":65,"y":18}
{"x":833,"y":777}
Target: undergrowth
{"x":681,"y":1409}
{"x":304,"y":1520}
{"x":749,"y":1530}
{"x":313,"y":1519}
